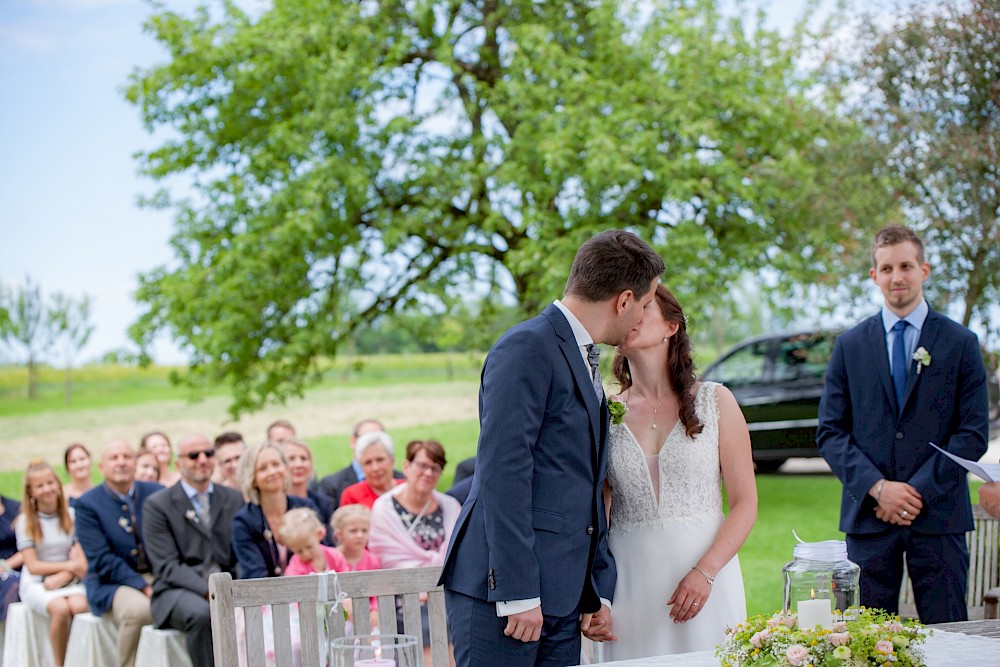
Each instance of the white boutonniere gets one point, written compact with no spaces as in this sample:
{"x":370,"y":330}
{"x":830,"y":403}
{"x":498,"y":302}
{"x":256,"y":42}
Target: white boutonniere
{"x":123,"y":522}
{"x":191,"y":515}
{"x":267,"y":534}
{"x":922,"y":357}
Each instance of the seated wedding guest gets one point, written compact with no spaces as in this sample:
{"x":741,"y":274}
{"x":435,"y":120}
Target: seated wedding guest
{"x":76,"y":458}
{"x":158,"y":443}
{"x":989,"y":498}
{"x":260,"y":551}
{"x":350,"y":528}
{"x":147,"y":467}
{"x":53,"y":563}
{"x":10,"y":558}
{"x":333,"y":485}
{"x":279,"y":430}
{"x":109,"y":528}
{"x":300,"y":472}
{"x":375,"y":454}
{"x":303,"y":534}
{"x":187,"y":530}
{"x":229,"y":448}
{"x":411,"y":525}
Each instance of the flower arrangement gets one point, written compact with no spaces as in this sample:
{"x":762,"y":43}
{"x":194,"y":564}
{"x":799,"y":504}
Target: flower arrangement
{"x":617,"y":410}
{"x":922,"y":357}
{"x":859,"y":637}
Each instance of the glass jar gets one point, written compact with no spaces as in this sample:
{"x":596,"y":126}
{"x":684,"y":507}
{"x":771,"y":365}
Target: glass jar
{"x":821,"y":571}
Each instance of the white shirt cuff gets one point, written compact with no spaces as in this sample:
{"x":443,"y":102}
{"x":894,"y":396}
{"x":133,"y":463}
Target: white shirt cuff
{"x":606,"y":602}
{"x":517,"y":606}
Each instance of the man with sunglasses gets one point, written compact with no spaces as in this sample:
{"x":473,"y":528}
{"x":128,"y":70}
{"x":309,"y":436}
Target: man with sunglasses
{"x":187,"y":530}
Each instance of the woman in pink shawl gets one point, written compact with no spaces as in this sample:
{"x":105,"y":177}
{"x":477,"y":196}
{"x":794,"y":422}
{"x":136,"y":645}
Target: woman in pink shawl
{"x":411,"y":524}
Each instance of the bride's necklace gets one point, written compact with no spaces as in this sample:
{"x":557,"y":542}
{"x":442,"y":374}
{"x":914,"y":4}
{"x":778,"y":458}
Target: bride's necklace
{"x":651,"y":408}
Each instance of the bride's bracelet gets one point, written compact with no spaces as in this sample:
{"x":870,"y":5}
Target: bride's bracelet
{"x":711,"y":579}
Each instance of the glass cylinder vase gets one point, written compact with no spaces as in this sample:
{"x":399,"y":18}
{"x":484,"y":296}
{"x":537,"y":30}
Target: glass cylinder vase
{"x":819,"y":581}
{"x":376,"y":651}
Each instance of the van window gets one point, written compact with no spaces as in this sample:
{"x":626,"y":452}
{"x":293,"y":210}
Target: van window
{"x":802,"y":356}
{"x":743,"y":367}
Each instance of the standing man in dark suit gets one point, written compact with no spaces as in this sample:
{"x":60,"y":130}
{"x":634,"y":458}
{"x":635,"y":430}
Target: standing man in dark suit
{"x":187,"y":531}
{"x":896,"y":382}
{"x":108,"y":526}
{"x":528,"y":565}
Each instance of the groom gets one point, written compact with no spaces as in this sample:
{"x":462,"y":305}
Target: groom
{"x":528,"y":566}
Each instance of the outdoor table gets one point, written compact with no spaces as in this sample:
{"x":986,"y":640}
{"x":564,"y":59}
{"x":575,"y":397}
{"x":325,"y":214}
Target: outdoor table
{"x":964,"y":643}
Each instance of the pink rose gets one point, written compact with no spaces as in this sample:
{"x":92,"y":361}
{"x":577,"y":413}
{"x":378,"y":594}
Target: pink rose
{"x":894,"y":626}
{"x":797,"y":654}
{"x":839,"y":626}
{"x":883,"y":646}
{"x":759,"y":638}
{"x":839,"y":638}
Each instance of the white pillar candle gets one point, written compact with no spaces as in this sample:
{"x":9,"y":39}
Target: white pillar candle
{"x":375,"y":662}
{"x":815,"y":612}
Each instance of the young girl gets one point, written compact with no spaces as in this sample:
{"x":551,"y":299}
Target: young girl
{"x":350,"y":528}
{"x":53,"y":562}
{"x":302,"y":532}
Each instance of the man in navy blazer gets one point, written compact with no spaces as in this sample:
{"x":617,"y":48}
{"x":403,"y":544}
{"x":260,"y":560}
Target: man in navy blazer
{"x":897,"y":382}
{"x":109,"y":528}
{"x":528,"y":566}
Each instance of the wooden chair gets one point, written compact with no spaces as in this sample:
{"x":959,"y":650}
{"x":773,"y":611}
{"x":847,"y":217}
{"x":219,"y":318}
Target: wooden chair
{"x":984,"y":571}
{"x":227,"y":595}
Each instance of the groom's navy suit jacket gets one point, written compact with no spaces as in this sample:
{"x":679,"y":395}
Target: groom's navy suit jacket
{"x":534,"y":522}
{"x":865,"y":437}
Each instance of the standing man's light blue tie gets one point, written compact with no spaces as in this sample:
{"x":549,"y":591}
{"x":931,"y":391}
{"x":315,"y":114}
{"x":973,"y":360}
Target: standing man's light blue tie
{"x":900,"y":364}
{"x":594,"y":359}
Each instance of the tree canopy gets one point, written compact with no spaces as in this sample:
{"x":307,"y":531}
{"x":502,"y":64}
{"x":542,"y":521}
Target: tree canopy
{"x":933,"y":102}
{"x":348,"y":159}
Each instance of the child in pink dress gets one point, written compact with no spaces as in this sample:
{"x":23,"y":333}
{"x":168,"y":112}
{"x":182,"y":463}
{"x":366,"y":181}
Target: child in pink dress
{"x":350,"y":528}
{"x":302,"y":533}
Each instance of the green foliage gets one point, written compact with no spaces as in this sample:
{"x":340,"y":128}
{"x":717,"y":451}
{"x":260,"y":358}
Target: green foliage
{"x":934,"y":106}
{"x":351,"y":160}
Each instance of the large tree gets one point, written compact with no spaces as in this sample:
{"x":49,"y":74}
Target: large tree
{"x":932,"y":77}
{"x":350,"y":158}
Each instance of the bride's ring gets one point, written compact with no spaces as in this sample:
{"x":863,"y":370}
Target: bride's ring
{"x":696,"y":604}
{"x":903,"y":514}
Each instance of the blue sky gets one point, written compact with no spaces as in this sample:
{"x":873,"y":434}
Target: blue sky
{"x":68,"y":182}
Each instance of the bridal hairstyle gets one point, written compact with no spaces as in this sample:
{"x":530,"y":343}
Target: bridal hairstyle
{"x":610,"y":263}
{"x":31,"y":523}
{"x":680,"y":364}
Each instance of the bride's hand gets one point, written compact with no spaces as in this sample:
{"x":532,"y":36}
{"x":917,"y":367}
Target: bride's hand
{"x":689,"y":597}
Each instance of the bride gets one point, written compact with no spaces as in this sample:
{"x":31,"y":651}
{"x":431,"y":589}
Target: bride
{"x":679,"y":581}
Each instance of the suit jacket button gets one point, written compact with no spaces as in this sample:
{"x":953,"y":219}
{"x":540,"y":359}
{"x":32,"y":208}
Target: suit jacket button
{"x":493,"y":581}
{"x":134,"y":552}
{"x":590,"y":530}
{"x":899,"y":436}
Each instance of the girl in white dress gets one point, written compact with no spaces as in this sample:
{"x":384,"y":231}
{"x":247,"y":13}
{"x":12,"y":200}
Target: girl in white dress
{"x":679,"y":581}
{"x":53,"y":563}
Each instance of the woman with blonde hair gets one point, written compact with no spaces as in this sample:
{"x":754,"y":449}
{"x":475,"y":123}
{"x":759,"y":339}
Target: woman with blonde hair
{"x":264,"y":480}
{"x":53,"y":563}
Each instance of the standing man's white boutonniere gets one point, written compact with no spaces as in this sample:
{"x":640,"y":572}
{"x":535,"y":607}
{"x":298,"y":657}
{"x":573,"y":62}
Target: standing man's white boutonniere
{"x":922,"y":357}
{"x":617,"y":410}
{"x":191,"y":515}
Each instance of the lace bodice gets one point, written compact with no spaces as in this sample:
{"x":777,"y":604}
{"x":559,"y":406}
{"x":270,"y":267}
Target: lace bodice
{"x":689,"y":473}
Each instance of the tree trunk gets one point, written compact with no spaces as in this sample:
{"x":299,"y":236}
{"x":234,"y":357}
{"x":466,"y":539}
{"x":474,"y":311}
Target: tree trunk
{"x":32,"y":379}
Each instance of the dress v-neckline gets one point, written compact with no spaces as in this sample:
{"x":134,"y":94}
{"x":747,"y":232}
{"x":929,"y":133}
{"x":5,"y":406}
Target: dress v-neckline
{"x":646,"y":458}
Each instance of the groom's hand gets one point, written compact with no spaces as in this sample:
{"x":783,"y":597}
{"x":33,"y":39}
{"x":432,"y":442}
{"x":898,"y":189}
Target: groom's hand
{"x":597,"y":627}
{"x":526,"y":626}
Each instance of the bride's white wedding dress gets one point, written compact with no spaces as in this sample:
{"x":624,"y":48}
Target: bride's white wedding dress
{"x":665,"y":513}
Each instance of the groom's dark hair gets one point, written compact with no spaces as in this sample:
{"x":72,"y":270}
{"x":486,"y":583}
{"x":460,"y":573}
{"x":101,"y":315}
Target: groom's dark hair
{"x":610,"y":263}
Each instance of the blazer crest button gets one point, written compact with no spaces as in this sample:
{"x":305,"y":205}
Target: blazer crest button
{"x":492,"y":580}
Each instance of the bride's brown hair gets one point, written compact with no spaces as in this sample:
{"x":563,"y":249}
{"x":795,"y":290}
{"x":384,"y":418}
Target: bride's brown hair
{"x":680,"y":364}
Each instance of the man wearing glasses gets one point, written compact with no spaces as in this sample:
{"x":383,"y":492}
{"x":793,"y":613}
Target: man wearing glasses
{"x":187,"y":531}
